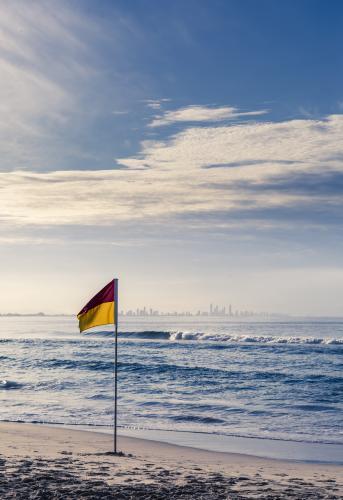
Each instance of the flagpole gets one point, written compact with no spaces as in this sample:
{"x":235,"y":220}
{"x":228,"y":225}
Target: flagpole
{"x":115,"y":364}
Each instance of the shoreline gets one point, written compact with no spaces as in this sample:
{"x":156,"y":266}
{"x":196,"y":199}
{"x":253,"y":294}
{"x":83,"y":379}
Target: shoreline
{"x":279,"y":449}
{"x":43,"y":459}
{"x":263,"y":447}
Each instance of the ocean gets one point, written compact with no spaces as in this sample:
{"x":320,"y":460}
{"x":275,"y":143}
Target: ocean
{"x":280,"y":380}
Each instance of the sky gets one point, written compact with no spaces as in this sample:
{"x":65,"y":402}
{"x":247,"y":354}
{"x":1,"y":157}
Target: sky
{"x":192,"y":149}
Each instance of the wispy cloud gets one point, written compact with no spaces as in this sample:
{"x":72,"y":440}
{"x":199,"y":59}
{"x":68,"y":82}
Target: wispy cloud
{"x":52,"y":66}
{"x":155,"y":103}
{"x":201,"y":114}
{"x":32,"y":36}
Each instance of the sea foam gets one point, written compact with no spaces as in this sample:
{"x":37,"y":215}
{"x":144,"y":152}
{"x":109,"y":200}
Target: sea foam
{"x":227,"y":338}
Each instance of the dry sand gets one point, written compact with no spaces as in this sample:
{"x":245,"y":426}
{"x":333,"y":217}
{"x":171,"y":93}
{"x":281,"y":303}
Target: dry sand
{"x":39,"y":462}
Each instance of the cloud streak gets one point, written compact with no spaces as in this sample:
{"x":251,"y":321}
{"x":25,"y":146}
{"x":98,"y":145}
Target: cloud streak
{"x":31,"y":87}
{"x":52,"y":65}
{"x":195,"y":113}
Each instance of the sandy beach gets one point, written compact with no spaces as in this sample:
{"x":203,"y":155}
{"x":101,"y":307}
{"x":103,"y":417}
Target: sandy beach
{"x":40,"y":462}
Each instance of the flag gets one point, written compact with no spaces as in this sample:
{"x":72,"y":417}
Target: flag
{"x":100,"y":310}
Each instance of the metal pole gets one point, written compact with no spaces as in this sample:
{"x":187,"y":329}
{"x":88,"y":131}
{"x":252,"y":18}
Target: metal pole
{"x":115,"y":364}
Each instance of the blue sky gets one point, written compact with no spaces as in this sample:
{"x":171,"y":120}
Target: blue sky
{"x":194,"y":149}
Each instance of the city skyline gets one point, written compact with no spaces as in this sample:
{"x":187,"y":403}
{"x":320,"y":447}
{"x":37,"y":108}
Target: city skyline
{"x":213,"y":310}
{"x":146,"y":311}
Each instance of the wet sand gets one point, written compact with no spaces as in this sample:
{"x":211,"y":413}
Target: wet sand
{"x":39,"y":462}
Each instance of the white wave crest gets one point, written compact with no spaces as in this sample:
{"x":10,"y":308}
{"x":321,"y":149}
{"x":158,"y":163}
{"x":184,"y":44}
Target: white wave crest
{"x":263,"y":339}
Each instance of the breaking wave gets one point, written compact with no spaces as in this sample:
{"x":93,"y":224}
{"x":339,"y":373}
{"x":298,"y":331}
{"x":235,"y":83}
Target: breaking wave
{"x":221,"y":337}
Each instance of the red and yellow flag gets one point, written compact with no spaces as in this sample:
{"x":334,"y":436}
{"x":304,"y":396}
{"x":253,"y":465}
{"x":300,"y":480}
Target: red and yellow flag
{"x":100,"y":310}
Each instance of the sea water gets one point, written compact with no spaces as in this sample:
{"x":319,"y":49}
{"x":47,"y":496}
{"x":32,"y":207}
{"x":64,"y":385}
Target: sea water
{"x":257,"y":379}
